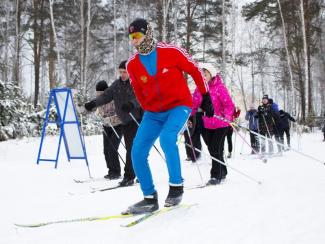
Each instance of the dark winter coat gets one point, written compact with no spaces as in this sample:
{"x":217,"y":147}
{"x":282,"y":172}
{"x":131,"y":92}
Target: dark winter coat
{"x":267,"y":119}
{"x":122,"y":93}
{"x":284,"y":120}
{"x":250,"y":116}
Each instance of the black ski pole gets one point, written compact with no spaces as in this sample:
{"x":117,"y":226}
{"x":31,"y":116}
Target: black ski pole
{"x":110,"y":142}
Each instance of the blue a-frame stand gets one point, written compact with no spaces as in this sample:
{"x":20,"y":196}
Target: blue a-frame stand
{"x":68,"y":120}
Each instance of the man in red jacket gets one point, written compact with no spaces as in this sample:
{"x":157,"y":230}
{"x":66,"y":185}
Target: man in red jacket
{"x":156,"y":75}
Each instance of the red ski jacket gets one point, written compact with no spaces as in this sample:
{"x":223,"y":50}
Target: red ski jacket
{"x":168,"y":88}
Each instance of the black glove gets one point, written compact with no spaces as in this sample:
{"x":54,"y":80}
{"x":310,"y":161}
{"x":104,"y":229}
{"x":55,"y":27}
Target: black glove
{"x":207,"y":106}
{"x":90,"y":105}
{"x":261,"y":110}
{"x":127,"y":107}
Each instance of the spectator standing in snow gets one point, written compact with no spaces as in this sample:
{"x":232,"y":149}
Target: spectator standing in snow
{"x":284,"y":126}
{"x":215,"y":130}
{"x":253,"y":126}
{"x":156,"y":75}
{"x":125,"y":102}
{"x":111,"y":122}
{"x":267,"y":119}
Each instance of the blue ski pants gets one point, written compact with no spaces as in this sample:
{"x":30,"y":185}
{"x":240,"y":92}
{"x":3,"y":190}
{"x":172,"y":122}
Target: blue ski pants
{"x":165,"y":125}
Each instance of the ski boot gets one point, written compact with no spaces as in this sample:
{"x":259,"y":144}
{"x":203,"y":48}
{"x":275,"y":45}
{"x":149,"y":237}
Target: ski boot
{"x":148,"y":205}
{"x":174,"y":196}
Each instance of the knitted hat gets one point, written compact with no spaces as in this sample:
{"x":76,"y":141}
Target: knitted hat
{"x":209,"y":67}
{"x":138,"y":25}
{"x":122,"y":65}
{"x":101,"y":85}
{"x":265,"y":97}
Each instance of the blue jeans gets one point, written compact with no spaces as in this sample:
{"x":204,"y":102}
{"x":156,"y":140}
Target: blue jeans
{"x":165,"y":125}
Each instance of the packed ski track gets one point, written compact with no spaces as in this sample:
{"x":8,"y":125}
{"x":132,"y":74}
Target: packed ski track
{"x":288,"y":207}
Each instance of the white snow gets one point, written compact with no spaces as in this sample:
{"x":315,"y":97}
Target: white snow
{"x":289,"y":206}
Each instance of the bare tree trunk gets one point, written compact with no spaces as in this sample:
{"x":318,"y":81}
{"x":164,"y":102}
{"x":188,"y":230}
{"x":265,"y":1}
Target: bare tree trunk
{"x":16,"y":71}
{"x":87,"y":44}
{"x":6,"y":56}
{"x":56,"y":50}
{"x":287,"y":53}
{"x":51,"y":61}
{"x":38,"y":6}
{"x":223,"y":40}
{"x":307,"y":82}
{"x":82,"y":46}
{"x":205,"y":30}
{"x":166,"y":4}
{"x":190,"y":10}
{"x":115,"y":41}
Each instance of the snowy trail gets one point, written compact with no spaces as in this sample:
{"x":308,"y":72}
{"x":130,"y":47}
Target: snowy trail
{"x":287,"y":208}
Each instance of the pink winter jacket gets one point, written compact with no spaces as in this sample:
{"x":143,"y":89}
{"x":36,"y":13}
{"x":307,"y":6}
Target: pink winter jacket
{"x":222,"y":104}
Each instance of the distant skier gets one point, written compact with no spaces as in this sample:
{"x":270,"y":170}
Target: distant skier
{"x":156,"y":75}
{"x":267,"y":119}
{"x":125,"y":102}
{"x":284,"y":126}
{"x":215,"y":130}
{"x":277,"y":129}
{"x":253,"y":126}
{"x":231,"y":131}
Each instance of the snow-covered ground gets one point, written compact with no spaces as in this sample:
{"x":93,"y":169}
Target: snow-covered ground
{"x":289,"y":206}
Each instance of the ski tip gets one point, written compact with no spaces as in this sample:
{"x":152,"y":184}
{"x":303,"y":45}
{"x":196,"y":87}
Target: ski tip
{"x":28,"y":226}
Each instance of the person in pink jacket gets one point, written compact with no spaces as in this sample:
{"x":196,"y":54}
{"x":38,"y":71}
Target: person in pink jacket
{"x":215,"y":130}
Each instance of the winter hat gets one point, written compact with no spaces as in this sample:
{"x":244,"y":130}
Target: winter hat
{"x":270,"y":100}
{"x":209,"y":67}
{"x":101,"y":85}
{"x":265,"y":97}
{"x":138,"y":25}
{"x":281,"y":111}
{"x":149,"y":43}
{"x":122,"y":65}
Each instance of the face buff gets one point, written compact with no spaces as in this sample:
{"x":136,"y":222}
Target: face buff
{"x":148,"y":44}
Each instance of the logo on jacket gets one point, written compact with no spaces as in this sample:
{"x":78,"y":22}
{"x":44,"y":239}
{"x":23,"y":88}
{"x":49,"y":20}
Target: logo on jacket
{"x":164,"y":70}
{"x":144,"y":79}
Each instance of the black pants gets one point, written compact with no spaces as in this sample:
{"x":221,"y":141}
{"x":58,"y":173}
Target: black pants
{"x":195,"y":138}
{"x":229,"y":139}
{"x":215,"y":140}
{"x":287,"y":132}
{"x":129,"y":131}
{"x":111,"y":144}
{"x":254,"y":141}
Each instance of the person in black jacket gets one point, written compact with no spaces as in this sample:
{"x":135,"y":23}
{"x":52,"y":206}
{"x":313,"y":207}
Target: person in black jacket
{"x":284,"y":126}
{"x":126,"y":106}
{"x":253,"y":126}
{"x":111,"y":141}
{"x":267,"y":120}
